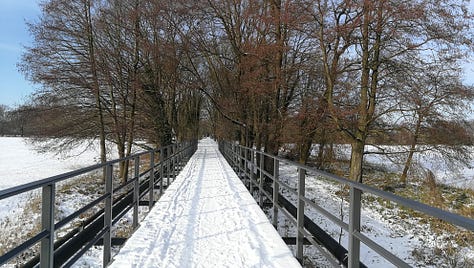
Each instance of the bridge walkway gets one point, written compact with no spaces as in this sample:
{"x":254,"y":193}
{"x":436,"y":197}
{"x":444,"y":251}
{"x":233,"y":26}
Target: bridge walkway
{"x":206,"y":218}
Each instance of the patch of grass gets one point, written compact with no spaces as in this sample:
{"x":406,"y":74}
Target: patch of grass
{"x":13,"y":233}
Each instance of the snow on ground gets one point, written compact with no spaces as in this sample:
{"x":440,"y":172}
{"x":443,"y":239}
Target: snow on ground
{"x":459,"y":176}
{"x":445,"y":173}
{"x":206,"y":218}
{"x":204,"y":201}
{"x":401,"y":236}
{"x":20,"y":163}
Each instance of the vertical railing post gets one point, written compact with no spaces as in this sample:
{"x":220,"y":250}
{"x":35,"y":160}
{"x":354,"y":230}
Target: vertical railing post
{"x":175,"y":151}
{"x":240,"y":161}
{"x":161,"y":171}
{"x":151,"y":190}
{"x":108,"y":214}
{"x":136,"y":192}
{"x":252,"y":171}
{"x":276,"y":190}
{"x":47,"y":223}
{"x":168,"y":166}
{"x":236,"y":157}
{"x":246,"y":162}
{"x":172,"y":162}
{"x":260,"y":183}
{"x":180,"y":157}
{"x":300,"y":215}
{"x":354,"y":226}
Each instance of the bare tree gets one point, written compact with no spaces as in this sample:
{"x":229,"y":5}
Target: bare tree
{"x":63,"y":60}
{"x":363,"y":40}
{"x":437,"y":94}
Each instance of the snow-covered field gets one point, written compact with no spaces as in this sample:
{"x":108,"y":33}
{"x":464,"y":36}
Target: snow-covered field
{"x":21,"y":163}
{"x":460,"y":176}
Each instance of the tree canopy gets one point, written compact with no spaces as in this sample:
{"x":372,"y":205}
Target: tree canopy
{"x":265,"y":72}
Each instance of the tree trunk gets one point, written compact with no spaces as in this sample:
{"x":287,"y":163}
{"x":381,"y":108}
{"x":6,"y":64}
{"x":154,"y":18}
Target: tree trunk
{"x":414,"y":142}
{"x":95,"y":85}
{"x":305,"y":149}
{"x":357,"y":158}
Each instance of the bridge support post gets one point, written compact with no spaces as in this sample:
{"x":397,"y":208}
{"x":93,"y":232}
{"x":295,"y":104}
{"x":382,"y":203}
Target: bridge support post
{"x":247,"y":169}
{"x":47,"y":223}
{"x":236,"y":157}
{"x":161,"y":171}
{"x":354,"y":227}
{"x":300,"y":215}
{"x":260,"y":183}
{"x":241,"y":168}
{"x":252,"y":171}
{"x":151,"y":190}
{"x":168,"y":165}
{"x":173,"y":159}
{"x":136,"y":192}
{"x":276,"y":190}
{"x":108,"y":214}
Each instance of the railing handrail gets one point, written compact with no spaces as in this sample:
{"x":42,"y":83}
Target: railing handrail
{"x":15,"y":190}
{"x":244,"y":159}
{"x":426,"y":209}
{"x":172,"y":156}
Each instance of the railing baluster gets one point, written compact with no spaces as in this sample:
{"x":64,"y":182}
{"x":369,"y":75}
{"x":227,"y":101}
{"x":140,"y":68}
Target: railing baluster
{"x":276,"y":190}
{"x":300,"y":215}
{"x":173,"y":151}
{"x":252,"y":171}
{"x":236,"y":157}
{"x":161,"y":171}
{"x":260,"y":183}
{"x":136,"y":192}
{"x":175,"y":161}
{"x":47,"y":223}
{"x":240,"y":161}
{"x":108,"y":214}
{"x":246,"y":163}
{"x":168,"y":166}
{"x":151,"y":187}
{"x":354,"y":226}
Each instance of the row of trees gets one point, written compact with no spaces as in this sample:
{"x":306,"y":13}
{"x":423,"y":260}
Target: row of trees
{"x":342,"y":71}
{"x":111,"y":70}
{"x":265,"y":72}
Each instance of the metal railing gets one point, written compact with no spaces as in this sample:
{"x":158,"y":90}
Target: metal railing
{"x":171,"y":159}
{"x":249,"y":164}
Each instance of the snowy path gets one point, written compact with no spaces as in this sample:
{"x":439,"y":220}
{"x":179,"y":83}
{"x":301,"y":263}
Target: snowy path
{"x":206,"y":218}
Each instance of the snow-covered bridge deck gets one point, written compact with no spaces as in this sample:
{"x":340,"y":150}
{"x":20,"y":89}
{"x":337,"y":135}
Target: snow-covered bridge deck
{"x":206,"y":218}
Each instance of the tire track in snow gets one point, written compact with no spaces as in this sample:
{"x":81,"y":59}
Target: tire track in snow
{"x":254,"y":240}
{"x":193,"y":218}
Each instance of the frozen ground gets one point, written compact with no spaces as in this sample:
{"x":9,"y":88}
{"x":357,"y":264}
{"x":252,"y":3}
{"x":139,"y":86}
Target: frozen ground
{"x":459,"y":176}
{"x":206,"y":218}
{"x":402,"y":236}
{"x":20,"y":163}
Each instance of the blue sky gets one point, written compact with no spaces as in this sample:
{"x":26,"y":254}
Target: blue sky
{"x":13,"y":36}
{"x":14,"y":89}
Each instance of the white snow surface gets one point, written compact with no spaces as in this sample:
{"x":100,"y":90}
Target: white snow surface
{"x":20,"y":163}
{"x":206,"y":218}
